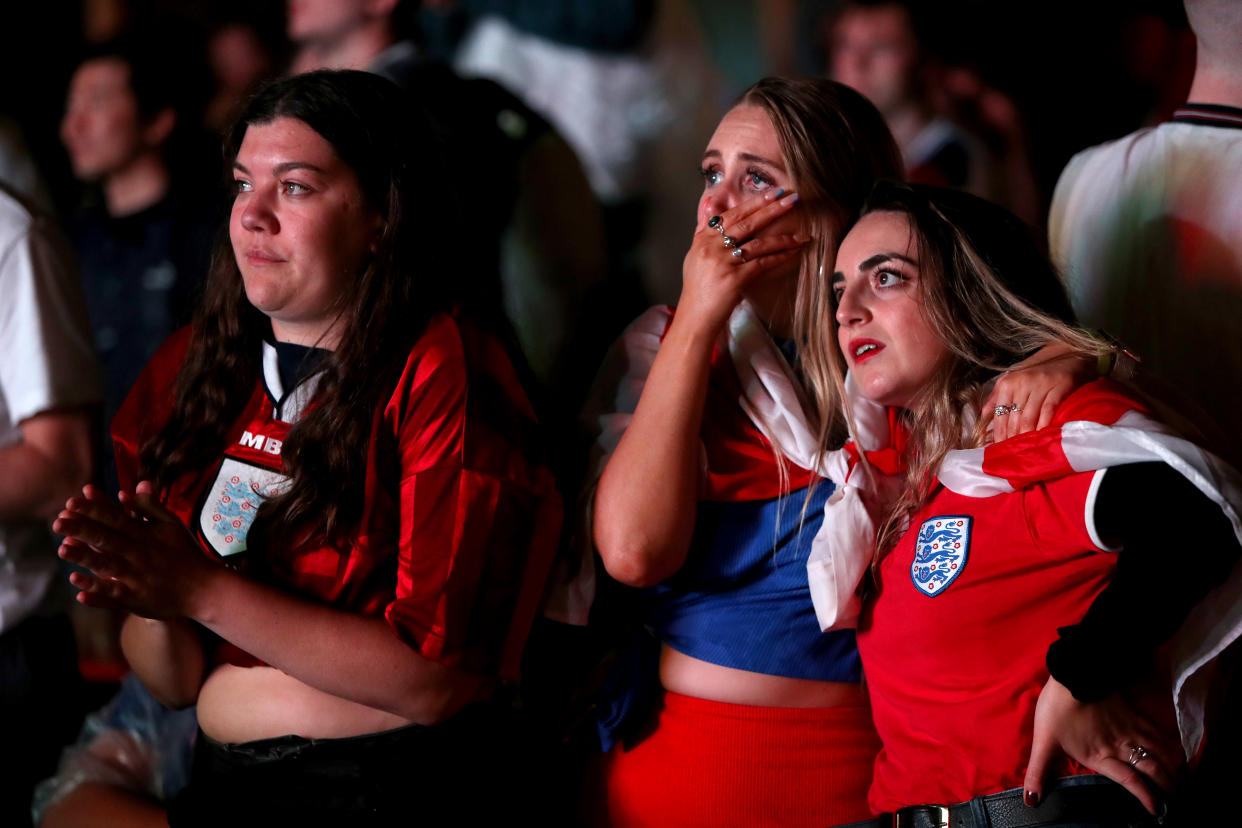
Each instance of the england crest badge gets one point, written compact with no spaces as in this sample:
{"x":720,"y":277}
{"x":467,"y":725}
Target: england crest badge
{"x":233,"y":501}
{"x":940,"y":553}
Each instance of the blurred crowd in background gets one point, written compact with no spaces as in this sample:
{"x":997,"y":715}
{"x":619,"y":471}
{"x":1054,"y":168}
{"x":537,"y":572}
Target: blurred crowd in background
{"x":575,"y":132}
{"x":1025,"y":86}
{"x":112,"y":113}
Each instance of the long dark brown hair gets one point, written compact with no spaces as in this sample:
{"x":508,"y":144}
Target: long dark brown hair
{"x":374,"y":129}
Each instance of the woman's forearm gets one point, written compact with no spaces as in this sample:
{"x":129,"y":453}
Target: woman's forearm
{"x":647,"y":497}
{"x":352,"y":656}
{"x":96,"y":805}
{"x":168,"y":656}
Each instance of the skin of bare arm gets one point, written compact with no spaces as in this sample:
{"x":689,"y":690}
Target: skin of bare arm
{"x":50,"y":462}
{"x":643,"y":531}
{"x":94,"y":805}
{"x":1037,"y":385}
{"x":142,"y":558}
{"x":168,"y":656}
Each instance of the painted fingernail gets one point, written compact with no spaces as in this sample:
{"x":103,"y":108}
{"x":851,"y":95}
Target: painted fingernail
{"x":802,"y":238}
{"x":1031,"y":798}
{"x":792,"y":198}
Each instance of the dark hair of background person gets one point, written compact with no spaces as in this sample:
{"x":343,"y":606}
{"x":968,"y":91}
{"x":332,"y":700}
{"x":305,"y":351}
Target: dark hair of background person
{"x":167,"y":71}
{"x":387,"y":144}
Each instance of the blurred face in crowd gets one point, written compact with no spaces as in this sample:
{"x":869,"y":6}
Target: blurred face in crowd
{"x":237,"y":56}
{"x":873,"y":50}
{"x":301,"y":229}
{"x":891,"y":349}
{"x":323,"y":19}
{"x":102,"y":128}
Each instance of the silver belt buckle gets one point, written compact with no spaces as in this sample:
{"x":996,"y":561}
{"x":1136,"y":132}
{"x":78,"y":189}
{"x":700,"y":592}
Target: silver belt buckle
{"x":904,"y":817}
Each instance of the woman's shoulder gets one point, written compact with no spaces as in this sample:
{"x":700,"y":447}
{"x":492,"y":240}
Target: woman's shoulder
{"x":460,"y":402}
{"x":1100,"y":401}
{"x":466,"y":366}
{"x":460,"y":343}
{"x":160,"y":374}
{"x":176,"y":345}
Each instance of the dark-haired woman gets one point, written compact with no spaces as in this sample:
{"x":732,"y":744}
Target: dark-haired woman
{"x":333,"y":525}
{"x":1019,"y":595}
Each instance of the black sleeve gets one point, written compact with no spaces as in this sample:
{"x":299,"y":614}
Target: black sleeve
{"x":1176,"y":545}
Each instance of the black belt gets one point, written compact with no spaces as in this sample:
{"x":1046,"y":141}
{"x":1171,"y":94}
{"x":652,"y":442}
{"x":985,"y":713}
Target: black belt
{"x":1102,"y":801}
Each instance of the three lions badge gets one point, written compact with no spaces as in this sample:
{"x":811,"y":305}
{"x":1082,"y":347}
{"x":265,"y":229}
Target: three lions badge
{"x":940,"y":553}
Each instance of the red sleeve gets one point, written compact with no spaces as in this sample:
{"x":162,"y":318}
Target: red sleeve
{"x":147,"y":406}
{"x":1060,"y":513}
{"x":479,"y":514}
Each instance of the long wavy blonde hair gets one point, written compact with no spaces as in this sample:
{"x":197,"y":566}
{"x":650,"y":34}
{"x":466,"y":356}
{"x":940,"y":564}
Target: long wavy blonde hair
{"x":835,"y":146}
{"x":991,"y":294}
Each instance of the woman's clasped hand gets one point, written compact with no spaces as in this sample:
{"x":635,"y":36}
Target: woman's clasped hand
{"x":138,"y":555}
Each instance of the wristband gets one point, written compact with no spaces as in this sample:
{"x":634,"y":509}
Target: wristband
{"x":1106,"y":363}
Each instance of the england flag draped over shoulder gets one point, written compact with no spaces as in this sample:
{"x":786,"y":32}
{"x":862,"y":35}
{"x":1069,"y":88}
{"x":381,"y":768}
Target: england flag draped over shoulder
{"x":769,"y":402}
{"x":1096,"y":428}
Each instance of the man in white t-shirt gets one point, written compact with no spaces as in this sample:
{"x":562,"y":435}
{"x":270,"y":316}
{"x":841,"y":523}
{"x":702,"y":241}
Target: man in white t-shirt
{"x":1148,"y":231}
{"x":49,"y":383}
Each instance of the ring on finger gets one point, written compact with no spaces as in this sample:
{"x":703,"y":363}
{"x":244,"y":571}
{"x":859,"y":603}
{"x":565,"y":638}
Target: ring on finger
{"x":716,"y":223}
{"x":729,"y":241}
{"x":1137,"y":754}
{"x":738,"y":253}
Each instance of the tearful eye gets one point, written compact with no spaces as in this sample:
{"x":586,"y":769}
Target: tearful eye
{"x":711,"y":176}
{"x":241,"y":186}
{"x":294,"y":188}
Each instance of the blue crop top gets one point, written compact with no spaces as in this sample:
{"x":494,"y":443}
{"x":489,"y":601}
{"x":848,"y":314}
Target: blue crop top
{"x":741,"y":599}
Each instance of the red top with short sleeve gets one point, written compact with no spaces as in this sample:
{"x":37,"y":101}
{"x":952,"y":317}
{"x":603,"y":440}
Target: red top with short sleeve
{"x":953,"y":645}
{"x":460,"y":519}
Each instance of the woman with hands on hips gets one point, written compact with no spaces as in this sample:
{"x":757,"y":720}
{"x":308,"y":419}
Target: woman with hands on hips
{"x":334,"y":526}
{"x":1018,"y":605}
{"x":707,"y":500}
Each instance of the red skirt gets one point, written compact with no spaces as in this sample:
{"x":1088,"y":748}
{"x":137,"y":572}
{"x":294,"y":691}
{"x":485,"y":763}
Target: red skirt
{"x":708,"y":763}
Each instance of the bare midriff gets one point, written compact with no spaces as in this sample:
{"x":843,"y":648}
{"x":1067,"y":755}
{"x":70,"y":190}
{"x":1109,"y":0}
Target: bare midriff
{"x":241,"y":704}
{"x":690,"y":676}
